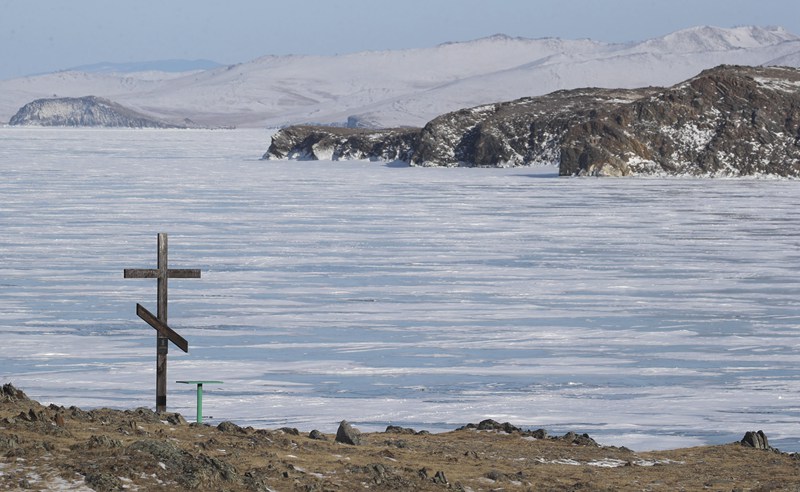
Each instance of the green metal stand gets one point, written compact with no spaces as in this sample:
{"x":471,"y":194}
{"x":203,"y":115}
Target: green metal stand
{"x":199,"y":396}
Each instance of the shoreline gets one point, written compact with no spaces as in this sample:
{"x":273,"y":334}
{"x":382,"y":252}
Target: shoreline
{"x":45,"y":447}
{"x":646,"y":441}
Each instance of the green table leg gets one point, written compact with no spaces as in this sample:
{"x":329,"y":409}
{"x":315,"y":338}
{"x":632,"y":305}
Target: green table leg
{"x":199,"y":395}
{"x":199,"y":403}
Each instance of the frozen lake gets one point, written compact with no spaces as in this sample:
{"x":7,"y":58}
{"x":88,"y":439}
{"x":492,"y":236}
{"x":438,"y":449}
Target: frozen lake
{"x":651,"y":313}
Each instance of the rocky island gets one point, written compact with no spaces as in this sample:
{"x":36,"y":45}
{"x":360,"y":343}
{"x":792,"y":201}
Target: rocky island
{"x":726,"y":121}
{"x":83,"y":111}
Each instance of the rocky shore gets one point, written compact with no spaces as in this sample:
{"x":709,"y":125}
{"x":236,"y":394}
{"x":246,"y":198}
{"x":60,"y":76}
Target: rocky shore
{"x":57,"y":448}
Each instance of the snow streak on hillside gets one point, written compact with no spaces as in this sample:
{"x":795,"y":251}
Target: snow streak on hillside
{"x":409,"y":87}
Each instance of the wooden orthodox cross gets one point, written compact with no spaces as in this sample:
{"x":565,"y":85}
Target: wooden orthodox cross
{"x":164,"y":333}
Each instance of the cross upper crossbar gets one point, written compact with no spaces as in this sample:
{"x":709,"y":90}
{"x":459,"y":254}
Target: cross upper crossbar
{"x":162,"y":272}
{"x":154,"y":273}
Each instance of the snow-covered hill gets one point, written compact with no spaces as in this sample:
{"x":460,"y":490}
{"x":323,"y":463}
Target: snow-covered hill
{"x":409,"y":87}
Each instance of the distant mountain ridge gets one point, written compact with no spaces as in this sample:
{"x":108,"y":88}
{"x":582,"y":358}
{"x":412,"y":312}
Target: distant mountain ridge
{"x":409,"y":87}
{"x":175,"y":65}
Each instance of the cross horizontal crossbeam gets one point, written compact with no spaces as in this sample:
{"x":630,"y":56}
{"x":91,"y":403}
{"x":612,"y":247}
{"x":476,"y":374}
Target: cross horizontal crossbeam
{"x":155,"y":273}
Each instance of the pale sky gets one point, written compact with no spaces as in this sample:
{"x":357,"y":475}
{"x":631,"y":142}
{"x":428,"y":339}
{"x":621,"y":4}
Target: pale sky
{"x":47,"y":35}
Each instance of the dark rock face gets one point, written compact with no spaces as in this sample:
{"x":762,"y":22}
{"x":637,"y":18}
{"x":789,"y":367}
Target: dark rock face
{"x":83,"y":111}
{"x":727,"y":121}
{"x":518,"y":133}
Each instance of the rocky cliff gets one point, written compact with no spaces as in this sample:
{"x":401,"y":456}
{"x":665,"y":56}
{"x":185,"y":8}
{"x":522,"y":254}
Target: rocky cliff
{"x":727,"y":121}
{"x":83,"y":111}
{"x":730,"y":120}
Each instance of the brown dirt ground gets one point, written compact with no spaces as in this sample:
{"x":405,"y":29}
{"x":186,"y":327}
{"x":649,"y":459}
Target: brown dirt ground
{"x":57,"y":448}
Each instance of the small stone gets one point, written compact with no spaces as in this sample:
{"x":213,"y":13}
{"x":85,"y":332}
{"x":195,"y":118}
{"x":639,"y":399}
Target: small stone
{"x":103,"y":481}
{"x":230,"y":427}
{"x":103,"y":441}
{"x":176,"y":419}
{"x":317,"y":435}
{"x":539,"y":434}
{"x":9,"y":442}
{"x":396,"y":429}
{"x":496,"y":476}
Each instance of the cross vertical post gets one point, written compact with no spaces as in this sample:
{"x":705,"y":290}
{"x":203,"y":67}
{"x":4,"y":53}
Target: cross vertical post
{"x":162,"y":344}
{"x":164,"y":334}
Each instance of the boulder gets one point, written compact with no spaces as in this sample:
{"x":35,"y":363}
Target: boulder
{"x":756,"y":439}
{"x":347,"y":434}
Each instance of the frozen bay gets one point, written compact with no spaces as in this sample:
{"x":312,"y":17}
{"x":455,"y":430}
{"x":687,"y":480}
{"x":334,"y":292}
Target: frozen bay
{"x":650,"y":313}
